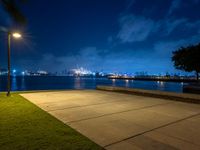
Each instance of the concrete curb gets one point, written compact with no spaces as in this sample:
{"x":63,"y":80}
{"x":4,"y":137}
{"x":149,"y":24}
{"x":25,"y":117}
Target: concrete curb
{"x":189,"y":98}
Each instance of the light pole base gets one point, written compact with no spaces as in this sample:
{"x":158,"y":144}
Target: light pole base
{"x":8,"y":94}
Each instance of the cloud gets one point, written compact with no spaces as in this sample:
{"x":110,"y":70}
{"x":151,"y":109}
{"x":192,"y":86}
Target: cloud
{"x":134,"y":28}
{"x":158,"y":59}
{"x":164,"y":49}
{"x":138,"y":29}
{"x":165,"y":36}
{"x":129,"y":4}
{"x":174,"y":5}
{"x":171,"y":25}
{"x":193,"y":25}
{"x":5,"y":19}
{"x":110,"y":61}
{"x":89,"y":57}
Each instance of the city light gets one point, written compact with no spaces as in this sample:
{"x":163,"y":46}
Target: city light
{"x":14,"y":71}
{"x":16,"y":35}
{"x":81,"y":71}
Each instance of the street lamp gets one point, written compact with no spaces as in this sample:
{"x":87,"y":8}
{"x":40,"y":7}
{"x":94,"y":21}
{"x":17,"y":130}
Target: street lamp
{"x":15,"y":35}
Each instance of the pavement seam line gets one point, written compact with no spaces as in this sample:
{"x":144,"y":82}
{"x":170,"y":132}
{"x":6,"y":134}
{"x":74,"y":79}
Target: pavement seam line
{"x":153,"y":130}
{"x":88,"y":105}
{"x":118,"y":112}
{"x":52,"y":102}
{"x":83,"y":106}
{"x":177,"y":138}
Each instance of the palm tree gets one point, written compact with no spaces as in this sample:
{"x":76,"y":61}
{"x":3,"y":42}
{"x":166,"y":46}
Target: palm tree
{"x":10,"y":6}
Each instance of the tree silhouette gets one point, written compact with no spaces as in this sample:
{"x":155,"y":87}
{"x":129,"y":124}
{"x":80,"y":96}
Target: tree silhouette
{"x":188,"y":59}
{"x":11,"y":7}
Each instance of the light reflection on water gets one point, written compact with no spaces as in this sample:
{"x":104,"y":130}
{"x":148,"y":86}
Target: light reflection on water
{"x":50,"y":83}
{"x":113,"y":82}
{"x":77,"y":83}
{"x":161,"y":85}
{"x":23,"y":85}
{"x":14,"y":83}
{"x":127,"y":83}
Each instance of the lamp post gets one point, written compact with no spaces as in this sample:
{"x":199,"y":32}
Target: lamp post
{"x":17,"y":36}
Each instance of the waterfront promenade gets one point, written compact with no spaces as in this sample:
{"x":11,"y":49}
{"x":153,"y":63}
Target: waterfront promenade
{"x":122,"y":121}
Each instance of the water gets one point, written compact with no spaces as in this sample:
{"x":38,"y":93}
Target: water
{"x":56,"y":83}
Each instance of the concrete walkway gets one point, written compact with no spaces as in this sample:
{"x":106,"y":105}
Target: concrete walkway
{"x":119,"y":121}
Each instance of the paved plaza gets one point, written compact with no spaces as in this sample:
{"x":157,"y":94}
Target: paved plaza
{"x":119,"y":121}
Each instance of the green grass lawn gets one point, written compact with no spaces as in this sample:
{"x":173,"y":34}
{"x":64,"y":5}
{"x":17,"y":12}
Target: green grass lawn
{"x":25,"y":126}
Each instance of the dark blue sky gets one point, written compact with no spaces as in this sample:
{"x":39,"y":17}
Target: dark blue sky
{"x":103,"y":35}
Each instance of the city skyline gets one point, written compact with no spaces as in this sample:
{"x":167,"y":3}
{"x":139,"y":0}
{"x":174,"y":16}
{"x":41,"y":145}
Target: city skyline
{"x":112,"y":36}
{"x":86,"y":72}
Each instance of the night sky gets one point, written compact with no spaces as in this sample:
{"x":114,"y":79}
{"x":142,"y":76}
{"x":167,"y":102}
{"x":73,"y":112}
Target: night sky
{"x":102,"y":35}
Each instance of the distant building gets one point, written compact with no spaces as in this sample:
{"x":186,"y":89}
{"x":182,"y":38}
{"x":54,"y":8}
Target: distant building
{"x":80,"y":72}
{"x":3,"y":72}
{"x":42,"y":72}
{"x":37,"y":73}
